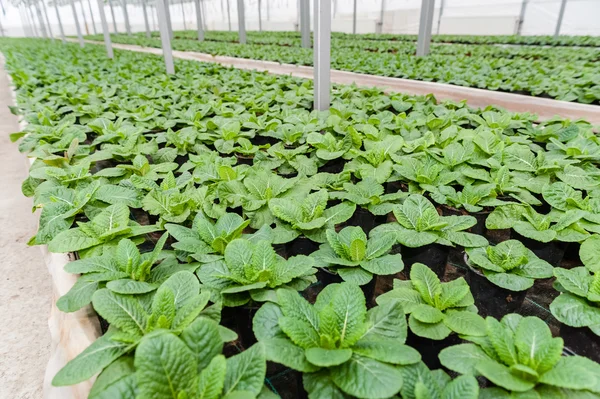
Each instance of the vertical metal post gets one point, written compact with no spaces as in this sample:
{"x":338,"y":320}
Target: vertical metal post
{"x":199,"y":23}
{"x":41,"y":20}
{"x":322,"y":54}
{"x":259,"y":17}
{"x":146,"y":23}
{"x":24,"y":24}
{"x":305,"y":23}
{"x":268,"y":11}
{"x":241,"y":21}
{"x":60,"y":26}
{"x":229,"y":15}
{"x":379,"y":26}
{"x":425,"y":25}
{"x":165,"y":36}
{"x":354,"y":18}
{"x":104,"y":23}
{"x":168,"y":17}
{"x":32,"y":19}
{"x":87,"y":31}
{"x":112,"y":13}
{"x":2,"y":29}
{"x":126,"y":15}
{"x":79,"y":35}
{"x":561,"y":14}
{"x":183,"y":15}
{"x":440,"y":16}
{"x":153,"y":13}
{"x":47,"y":20}
{"x":92,"y":16}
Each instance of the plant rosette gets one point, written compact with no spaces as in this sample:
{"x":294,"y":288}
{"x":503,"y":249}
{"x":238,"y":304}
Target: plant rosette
{"x":421,"y":382}
{"x":436,"y":309}
{"x":578,"y":305}
{"x":252,"y":270}
{"x":355,"y":258}
{"x":509,"y":265}
{"x":518,"y":355}
{"x":341,"y":348}
{"x":419,"y":224}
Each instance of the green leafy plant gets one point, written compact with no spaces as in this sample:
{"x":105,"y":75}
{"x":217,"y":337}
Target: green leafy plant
{"x":310,"y":216}
{"x":337,"y":343}
{"x":518,"y":354}
{"x":370,"y":195}
{"x":252,"y":270}
{"x":419,"y":224}
{"x":436,"y":309}
{"x":355,"y":258}
{"x":420,"y":382}
{"x":509,"y":265}
{"x":578,"y":305}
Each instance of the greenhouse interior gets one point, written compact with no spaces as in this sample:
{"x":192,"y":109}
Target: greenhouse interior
{"x":313,"y":199}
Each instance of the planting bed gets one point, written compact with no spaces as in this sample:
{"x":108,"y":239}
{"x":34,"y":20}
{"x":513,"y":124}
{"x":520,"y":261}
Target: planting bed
{"x":237,"y":244}
{"x":565,"y":73}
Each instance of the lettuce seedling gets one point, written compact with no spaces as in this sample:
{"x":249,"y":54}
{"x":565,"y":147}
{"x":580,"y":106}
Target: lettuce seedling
{"x":328,"y":146}
{"x":419,"y":224}
{"x":519,"y":355}
{"x":337,"y":343}
{"x":310,"y":215}
{"x":252,"y":270}
{"x":175,"y":306}
{"x":578,"y":305}
{"x":370,"y":195}
{"x":420,"y":382}
{"x":436,"y":309}
{"x":357,"y":259}
{"x":206,"y":241}
{"x":509,"y":265}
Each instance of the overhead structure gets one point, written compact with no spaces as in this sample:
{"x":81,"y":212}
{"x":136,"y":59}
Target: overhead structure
{"x":241,"y":21}
{"x":92,"y":17}
{"x":425,"y":25}
{"x":107,"y":42}
{"x":40,"y":19}
{"x":199,"y":22}
{"x":379,"y":26}
{"x":439,"y":22}
{"x":305,"y":23}
{"x":79,"y":35}
{"x":561,"y":14}
{"x":168,"y":17}
{"x":183,"y":15}
{"x":126,"y":16}
{"x":165,"y":35}
{"x":112,"y":13}
{"x":322,"y":55}
{"x":60,"y":25}
{"x":146,"y":22}
{"x":522,"y":16}
{"x":47,"y":20}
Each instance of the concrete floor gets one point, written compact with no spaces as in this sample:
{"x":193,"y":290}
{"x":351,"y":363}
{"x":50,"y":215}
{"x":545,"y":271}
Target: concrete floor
{"x":25,"y":286}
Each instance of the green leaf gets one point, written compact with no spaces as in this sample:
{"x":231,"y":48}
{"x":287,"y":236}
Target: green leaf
{"x":462,"y":387}
{"x":367,"y":378}
{"x":265,"y":324}
{"x":283,"y":351}
{"x":465,"y":323}
{"x":350,"y":310}
{"x":246,"y":371}
{"x":184,"y":286}
{"x":79,"y":295}
{"x":212,"y":379}
{"x":408,"y":298}
{"x":128,"y":286}
{"x":575,"y":280}
{"x":385,"y":322}
{"x":354,"y":275}
{"x":462,"y":358}
{"x":122,"y":311}
{"x":300,"y":332}
{"x":574,"y":311}
{"x":92,"y":360}
{"x":501,"y":376}
{"x":202,"y":337}
{"x":384,"y":265}
{"x":72,"y":240}
{"x":327,"y":357}
{"x":387,"y":351}
{"x":572,"y":372}
{"x":165,"y":367}
{"x":116,"y":380}
{"x":589,"y":253}
{"x":425,"y":282}
{"x":320,"y":386}
{"x":435,"y":331}
{"x":427,"y":314}
{"x":530,"y":337}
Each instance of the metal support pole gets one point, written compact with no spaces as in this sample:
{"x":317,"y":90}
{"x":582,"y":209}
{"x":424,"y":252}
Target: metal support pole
{"x":60,"y":26}
{"x":379,"y":26}
{"x":168,"y":17}
{"x":522,"y":16}
{"x":439,"y":22}
{"x":32,"y":19}
{"x":146,"y":23}
{"x":322,"y":54}
{"x":183,"y":16}
{"x":354,"y":18}
{"x":126,"y":15}
{"x":112,"y":13}
{"x":241,"y":21}
{"x":199,"y":24}
{"x":92,"y":16}
{"x":79,"y":35}
{"x":425,"y":25}
{"x":268,"y":11}
{"x":229,"y":15}
{"x":104,"y":23}
{"x":1,"y":29}
{"x":87,"y":31}
{"x":259,"y":17}
{"x":47,"y":20}
{"x":305,"y":23}
{"x":165,"y":37}
{"x":561,"y":14}
{"x":41,"y":20}
{"x":153,"y":13}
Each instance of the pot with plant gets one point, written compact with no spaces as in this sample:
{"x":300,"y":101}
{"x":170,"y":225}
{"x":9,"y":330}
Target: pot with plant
{"x":425,"y":236}
{"x":578,"y":305}
{"x":437,"y":311}
{"x":519,"y":356}
{"x":501,"y":275}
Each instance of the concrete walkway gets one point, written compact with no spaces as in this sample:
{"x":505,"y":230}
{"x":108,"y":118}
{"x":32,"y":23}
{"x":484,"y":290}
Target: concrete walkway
{"x":25,"y":286}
